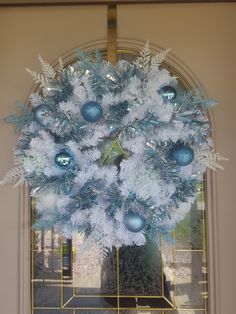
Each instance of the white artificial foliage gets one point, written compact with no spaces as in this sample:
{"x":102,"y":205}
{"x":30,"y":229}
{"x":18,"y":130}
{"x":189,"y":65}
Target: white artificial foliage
{"x":81,"y":94}
{"x":35,"y":99}
{"x":41,"y":80}
{"x":40,"y":156}
{"x":109,"y":99}
{"x":69,"y":107}
{"x":145,"y":184}
{"x":14,"y":176}
{"x":47,"y":69}
{"x":47,"y":199}
{"x":79,"y":217}
{"x":94,"y":138}
{"x":144,"y":104}
{"x":83,"y":91}
{"x":178,"y":214}
{"x":131,"y":91}
{"x":186,"y":171}
{"x":136,"y":146}
{"x":157,"y":60}
{"x":174,"y":132}
{"x":34,"y":164}
{"x":113,"y":231}
{"x":34,"y":127}
{"x":60,"y":68}
{"x":156,"y":80}
{"x":144,"y":60}
{"x":210,"y":158}
{"x":126,"y":237}
{"x":137,"y":112}
{"x":165,"y":112}
{"x":86,"y":158}
{"x":63,"y":201}
{"x":136,"y":132}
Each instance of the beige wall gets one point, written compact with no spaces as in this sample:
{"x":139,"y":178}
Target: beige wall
{"x":203,"y":36}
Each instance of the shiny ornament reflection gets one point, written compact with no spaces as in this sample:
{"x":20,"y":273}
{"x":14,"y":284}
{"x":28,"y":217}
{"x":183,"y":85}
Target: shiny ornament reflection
{"x":92,"y":111}
{"x":134,"y":222}
{"x":43,"y":115}
{"x":167,"y":93}
{"x":63,"y":159}
{"x":182,"y":154}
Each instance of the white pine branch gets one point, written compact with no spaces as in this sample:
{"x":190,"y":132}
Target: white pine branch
{"x":16,"y":159}
{"x":60,"y":67}
{"x":47,"y":69}
{"x":144,"y":60}
{"x":39,"y":79}
{"x":210,"y":158}
{"x":13,"y":176}
{"x":95,"y":238}
{"x":159,"y":58}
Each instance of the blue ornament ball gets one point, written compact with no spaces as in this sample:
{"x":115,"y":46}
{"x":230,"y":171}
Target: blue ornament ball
{"x":63,"y":159}
{"x":134,"y":222}
{"x":182,"y":154}
{"x":43,"y":115}
{"x":92,"y":111}
{"x":168,"y":93}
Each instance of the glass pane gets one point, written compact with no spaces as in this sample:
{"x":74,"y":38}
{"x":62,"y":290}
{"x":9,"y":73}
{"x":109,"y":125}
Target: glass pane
{"x":140,"y":271}
{"x":46,"y":240}
{"x":47,"y":294}
{"x":47,"y":264}
{"x":168,"y":261}
{"x":191,"y":288}
{"x":189,"y":233}
{"x":89,"y":275}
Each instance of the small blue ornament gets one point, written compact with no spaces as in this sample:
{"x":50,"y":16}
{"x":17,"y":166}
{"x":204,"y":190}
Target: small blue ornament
{"x":182,"y":154}
{"x":92,"y":111}
{"x":43,"y":115}
{"x":134,"y":222}
{"x":168,"y":93}
{"x":63,"y":159}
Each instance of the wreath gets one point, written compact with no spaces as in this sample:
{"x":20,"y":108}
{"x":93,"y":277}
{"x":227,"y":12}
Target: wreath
{"x":114,"y":152}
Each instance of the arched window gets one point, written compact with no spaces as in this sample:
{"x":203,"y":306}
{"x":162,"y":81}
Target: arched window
{"x":136,"y":280}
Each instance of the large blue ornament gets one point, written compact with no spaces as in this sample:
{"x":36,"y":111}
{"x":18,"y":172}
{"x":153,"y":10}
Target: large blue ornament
{"x":182,"y":154}
{"x":43,"y":115}
{"x":134,"y":222}
{"x":168,"y":93}
{"x":92,"y":111}
{"x":63,"y":159}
